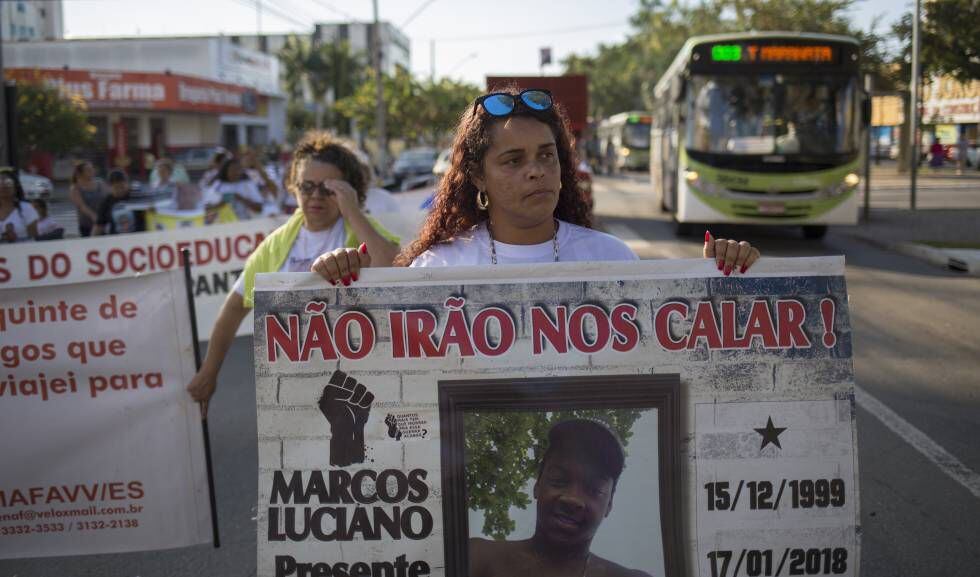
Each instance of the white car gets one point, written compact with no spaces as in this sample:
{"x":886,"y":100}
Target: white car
{"x":36,"y":187}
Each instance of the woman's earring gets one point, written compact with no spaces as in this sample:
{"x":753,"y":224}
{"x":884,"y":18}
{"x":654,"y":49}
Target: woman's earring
{"x":482,"y":200}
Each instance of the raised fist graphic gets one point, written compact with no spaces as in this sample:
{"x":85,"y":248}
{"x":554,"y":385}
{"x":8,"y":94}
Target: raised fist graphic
{"x":346,"y":404}
{"x":393,"y":430}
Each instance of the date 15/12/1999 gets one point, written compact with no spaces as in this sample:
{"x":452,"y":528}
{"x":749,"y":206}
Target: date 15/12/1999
{"x":804,"y":494}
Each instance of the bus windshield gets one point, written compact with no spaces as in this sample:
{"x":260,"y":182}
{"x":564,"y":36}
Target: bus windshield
{"x":772,"y":114}
{"x":636,"y":135}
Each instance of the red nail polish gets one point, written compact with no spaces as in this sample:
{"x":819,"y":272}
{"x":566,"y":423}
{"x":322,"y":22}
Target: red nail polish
{"x":743,"y":269}
{"x":363,"y":248}
{"x":728,"y":270}
{"x":353,"y":276}
{"x":721,"y":265}
{"x":707,"y":236}
{"x":333,"y":282}
{"x":346,"y":281}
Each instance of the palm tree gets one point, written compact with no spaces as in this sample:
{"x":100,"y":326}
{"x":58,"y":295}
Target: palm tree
{"x":330,"y":71}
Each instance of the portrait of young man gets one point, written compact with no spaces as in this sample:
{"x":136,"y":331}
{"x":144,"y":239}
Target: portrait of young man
{"x":574,"y":492}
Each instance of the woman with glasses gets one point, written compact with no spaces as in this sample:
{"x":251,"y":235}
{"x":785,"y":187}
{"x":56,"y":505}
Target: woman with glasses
{"x":510,"y":195}
{"x":329,"y":227}
{"x":18,"y":219}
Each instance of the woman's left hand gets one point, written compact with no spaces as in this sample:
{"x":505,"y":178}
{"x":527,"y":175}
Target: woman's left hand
{"x":345,"y":194}
{"x":342,"y":265}
{"x":730,"y":255}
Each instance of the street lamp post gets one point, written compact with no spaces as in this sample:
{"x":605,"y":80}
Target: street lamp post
{"x":914,"y":112}
{"x":379,"y":113}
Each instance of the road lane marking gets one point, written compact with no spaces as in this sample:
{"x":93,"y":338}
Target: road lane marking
{"x":940,"y":457}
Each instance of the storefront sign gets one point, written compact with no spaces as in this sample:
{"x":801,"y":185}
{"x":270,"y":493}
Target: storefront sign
{"x":143,"y":90}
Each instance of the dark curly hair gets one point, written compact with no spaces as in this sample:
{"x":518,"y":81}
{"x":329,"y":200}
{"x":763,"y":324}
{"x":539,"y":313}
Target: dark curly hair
{"x":322,"y":146}
{"x":454,"y":209}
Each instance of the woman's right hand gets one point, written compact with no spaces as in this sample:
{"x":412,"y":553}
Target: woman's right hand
{"x":342,"y":265}
{"x":202,"y":387}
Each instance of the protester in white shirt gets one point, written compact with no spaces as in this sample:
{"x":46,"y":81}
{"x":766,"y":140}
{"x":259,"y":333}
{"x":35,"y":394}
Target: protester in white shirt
{"x":233,"y":187}
{"x":510,"y":195}
{"x":329,"y":228}
{"x":47,"y":227}
{"x":18,"y":219}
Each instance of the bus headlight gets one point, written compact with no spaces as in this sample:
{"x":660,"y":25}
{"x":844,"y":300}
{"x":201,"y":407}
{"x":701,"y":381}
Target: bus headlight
{"x":691,"y":176}
{"x":852,"y":180}
{"x":624,"y":151}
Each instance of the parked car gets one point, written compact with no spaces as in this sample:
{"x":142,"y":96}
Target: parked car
{"x":196,"y":160}
{"x":36,"y":187}
{"x":442,"y":163}
{"x":413,"y":162}
{"x":583,"y":177}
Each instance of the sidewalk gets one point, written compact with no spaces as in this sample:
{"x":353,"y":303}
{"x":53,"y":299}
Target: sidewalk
{"x":949,"y":238}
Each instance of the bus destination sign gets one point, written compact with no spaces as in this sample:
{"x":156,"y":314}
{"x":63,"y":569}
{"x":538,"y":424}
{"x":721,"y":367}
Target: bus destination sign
{"x":772,"y":53}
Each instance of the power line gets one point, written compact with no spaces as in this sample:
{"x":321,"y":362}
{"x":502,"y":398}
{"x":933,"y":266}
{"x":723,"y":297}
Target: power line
{"x":334,"y":9}
{"x":534,"y":33}
{"x":416,"y":13}
{"x":273,"y":11}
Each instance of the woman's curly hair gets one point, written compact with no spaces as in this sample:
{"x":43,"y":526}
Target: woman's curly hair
{"x":454,"y":208}
{"x":321,"y":146}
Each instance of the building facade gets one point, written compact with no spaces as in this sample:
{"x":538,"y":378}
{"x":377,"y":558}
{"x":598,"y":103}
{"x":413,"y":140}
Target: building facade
{"x":22,"y":20}
{"x":155,"y":96}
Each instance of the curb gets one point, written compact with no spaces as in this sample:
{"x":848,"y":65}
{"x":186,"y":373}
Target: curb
{"x":962,"y":261}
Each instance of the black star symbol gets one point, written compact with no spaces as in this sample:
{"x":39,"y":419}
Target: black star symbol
{"x":770,"y":434}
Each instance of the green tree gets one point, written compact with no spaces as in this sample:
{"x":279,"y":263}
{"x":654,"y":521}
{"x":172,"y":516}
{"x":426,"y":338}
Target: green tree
{"x":328,"y":71}
{"x":503,"y":451}
{"x":950,"y":40}
{"x":622,"y":76}
{"x":49,"y":121}
{"x":415,"y":111}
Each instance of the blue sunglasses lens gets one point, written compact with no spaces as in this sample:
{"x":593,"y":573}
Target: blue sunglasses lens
{"x":499,"y":104}
{"x":537,"y":99}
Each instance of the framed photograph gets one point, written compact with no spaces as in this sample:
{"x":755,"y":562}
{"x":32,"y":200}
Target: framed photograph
{"x":561,"y":475}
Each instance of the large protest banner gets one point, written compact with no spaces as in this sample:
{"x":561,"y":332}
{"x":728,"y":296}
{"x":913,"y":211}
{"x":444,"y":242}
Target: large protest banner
{"x":469,"y":421}
{"x":101,"y":447}
{"x":218,"y":253}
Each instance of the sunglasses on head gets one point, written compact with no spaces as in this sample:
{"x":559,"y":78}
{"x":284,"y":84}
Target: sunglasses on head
{"x":502,"y":103}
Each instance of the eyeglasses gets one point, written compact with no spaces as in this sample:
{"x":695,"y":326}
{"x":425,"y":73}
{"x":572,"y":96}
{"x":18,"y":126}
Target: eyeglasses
{"x":503,"y":104}
{"x":308,"y":188}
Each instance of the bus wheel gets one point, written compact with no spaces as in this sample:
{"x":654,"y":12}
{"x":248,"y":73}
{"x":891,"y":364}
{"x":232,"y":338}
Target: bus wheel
{"x":815,"y":231}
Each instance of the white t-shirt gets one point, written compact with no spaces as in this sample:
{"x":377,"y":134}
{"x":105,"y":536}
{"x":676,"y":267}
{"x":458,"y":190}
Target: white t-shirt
{"x":21,"y":217}
{"x":380,"y":201}
{"x":46,"y":225}
{"x":305,"y":249}
{"x":228,"y":192}
{"x":575,"y":243}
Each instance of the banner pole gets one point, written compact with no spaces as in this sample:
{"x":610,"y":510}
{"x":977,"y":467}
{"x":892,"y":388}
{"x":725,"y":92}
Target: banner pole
{"x":189,"y":285}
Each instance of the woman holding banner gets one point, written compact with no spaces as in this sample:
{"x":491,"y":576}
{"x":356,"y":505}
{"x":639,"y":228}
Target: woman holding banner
{"x":510,"y":196}
{"x":18,"y":219}
{"x":326,"y":178}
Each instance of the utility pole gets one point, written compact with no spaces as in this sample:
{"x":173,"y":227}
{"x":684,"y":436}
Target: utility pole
{"x":914,"y":112}
{"x":6,"y":155}
{"x":868,"y":90}
{"x":379,"y":96}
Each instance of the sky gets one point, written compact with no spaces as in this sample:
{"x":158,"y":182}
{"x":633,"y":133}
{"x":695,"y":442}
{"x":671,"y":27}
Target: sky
{"x":472,"y":38}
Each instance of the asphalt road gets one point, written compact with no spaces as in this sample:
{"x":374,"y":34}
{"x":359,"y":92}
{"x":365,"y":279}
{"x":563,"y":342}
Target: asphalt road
{"x":916,"y":351}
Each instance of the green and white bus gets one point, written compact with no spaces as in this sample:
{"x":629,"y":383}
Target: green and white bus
{"x":624,"y":141}
{"x":760,"y":128}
